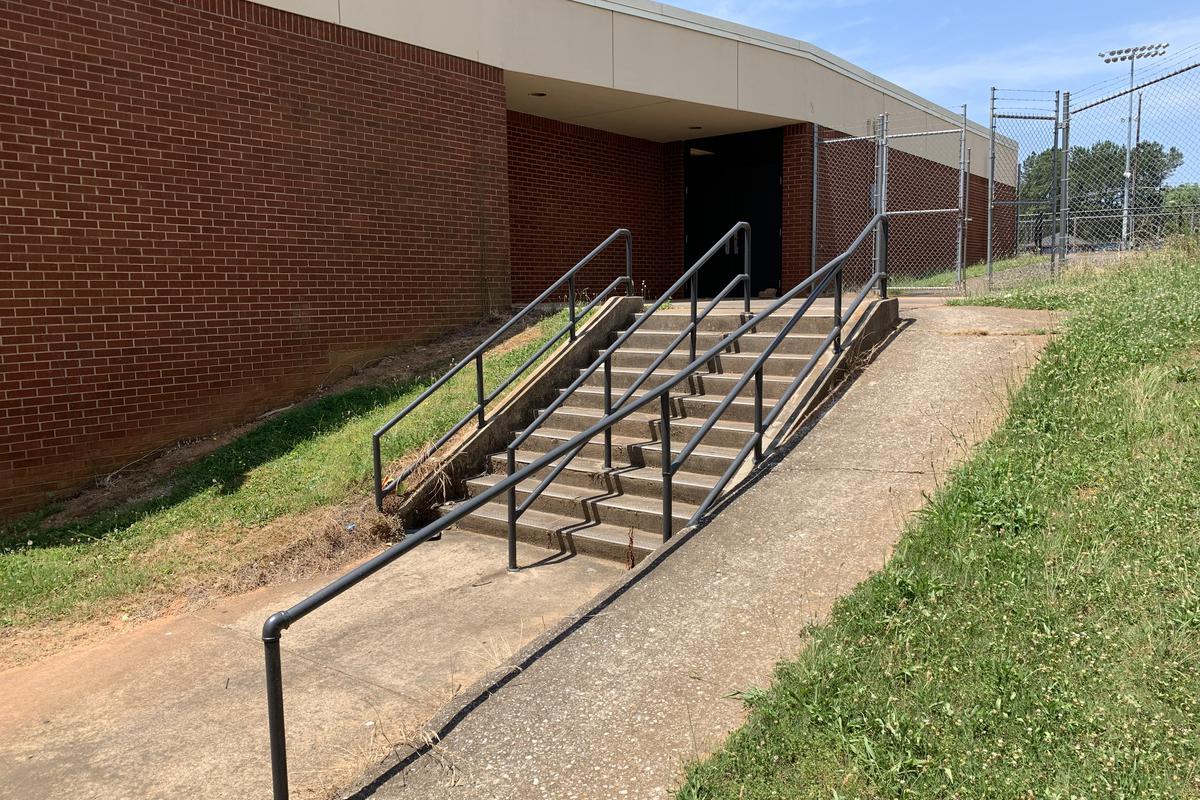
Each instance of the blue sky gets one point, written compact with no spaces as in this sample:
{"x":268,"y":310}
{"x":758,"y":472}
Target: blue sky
{"x":952,"y":52}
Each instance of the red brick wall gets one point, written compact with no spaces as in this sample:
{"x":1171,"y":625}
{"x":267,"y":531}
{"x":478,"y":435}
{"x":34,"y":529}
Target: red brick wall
{"x":209,"y":206}
{"x":797,"y":203}
{"x":571,"y":186}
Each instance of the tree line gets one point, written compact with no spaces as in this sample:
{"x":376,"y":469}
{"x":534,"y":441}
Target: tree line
{"x":1097,"y":183}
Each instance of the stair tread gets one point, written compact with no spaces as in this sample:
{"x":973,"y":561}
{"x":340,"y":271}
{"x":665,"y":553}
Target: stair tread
{"x":657,"y":352}
{"x":701,"y":372}
{"x":602,"y":531}
{"x":592,"y":493}
{"x":591,"y":465}
{"x":623,"y":441}
{"x":648,"y":417}
{"x":720,"y":335}
{"x":710,"y":397}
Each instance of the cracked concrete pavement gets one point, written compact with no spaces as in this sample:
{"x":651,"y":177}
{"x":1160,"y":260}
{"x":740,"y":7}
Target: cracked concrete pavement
{"x":617,"y":701}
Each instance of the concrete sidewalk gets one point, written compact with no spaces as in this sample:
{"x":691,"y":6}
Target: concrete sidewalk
{"x":176,"y":707}
{"x":615,"y":702}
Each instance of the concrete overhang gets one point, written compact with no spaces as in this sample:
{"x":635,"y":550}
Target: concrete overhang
{"x":649,"y":69}
{"x":659,"y":119}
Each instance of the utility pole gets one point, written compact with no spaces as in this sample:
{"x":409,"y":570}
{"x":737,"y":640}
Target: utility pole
{"x":1130,"y":54}
{"x":1137,"y":143}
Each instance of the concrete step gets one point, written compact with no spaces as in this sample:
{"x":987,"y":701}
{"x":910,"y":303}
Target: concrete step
{"x":645,"y":426}
{"x":690,"y":487}
{"x":594,"y":504}
{"x":800,"y":344}
{"x":781,"y":364}
{"x":561,"y":532}
{"x":714,"y":383}
{"x":725,"y":320}
{"x":683,"y":405}
{"x":641,"y":452}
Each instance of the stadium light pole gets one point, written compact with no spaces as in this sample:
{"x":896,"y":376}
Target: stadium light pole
{"x":1130,"y":54}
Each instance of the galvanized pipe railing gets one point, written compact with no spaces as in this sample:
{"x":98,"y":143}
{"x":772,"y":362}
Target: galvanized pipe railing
{"x":278,"y":622}
{"x":690,"y":278}
{"x":483,"y":398}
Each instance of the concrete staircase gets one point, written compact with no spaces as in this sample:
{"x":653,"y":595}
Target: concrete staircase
{"x":617,"y":513}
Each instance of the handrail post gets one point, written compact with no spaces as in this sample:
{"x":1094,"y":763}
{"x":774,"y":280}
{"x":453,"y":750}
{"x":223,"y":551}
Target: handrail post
{"x":479,"y":387}
{"x":758,"y":414}
{"x":377,"y":457}
{"x":607,"y":411}
{"x":628,"y":264}
{"x":692,"y":339}
{"x":883,"y":206}
{"x":571,"y":304}
{"x":883,"y":258}
{"x":664,"y":401}
{"x":746,"y":267}
{"x":512,"y":513}
{"x":278,"y":735}
{"x":837,"y":310}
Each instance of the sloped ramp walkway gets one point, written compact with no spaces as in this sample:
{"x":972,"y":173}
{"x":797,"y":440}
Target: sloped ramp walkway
{"x":614,"y":703}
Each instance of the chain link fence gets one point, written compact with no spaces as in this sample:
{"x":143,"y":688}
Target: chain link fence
{"x":1024,"y":159}
{"x":844,"y":196}
{"x":927,"y":192}
{"x":1112,"y":168}
{"x":1130,"y":181}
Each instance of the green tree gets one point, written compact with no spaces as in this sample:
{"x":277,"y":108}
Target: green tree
{"x":1182,"y":203}
{"x":1097,"y":183}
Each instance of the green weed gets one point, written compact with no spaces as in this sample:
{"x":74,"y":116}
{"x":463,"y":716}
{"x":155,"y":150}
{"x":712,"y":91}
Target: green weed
{"x":315,"y":454}
{"x":1036,"y":633}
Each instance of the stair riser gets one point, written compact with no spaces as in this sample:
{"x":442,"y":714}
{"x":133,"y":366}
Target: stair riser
{"x":731,"y":363}
{"x":595,"y":510}
{"x":695,"y":406}
{"x":681,"y":429}
{"x":553,"y":540}
{"x":752,"y":344}
{"x":613,"y":482}
{"x":699,"y":383}
{"x":636,"y":455}
{"x":724,"y":323}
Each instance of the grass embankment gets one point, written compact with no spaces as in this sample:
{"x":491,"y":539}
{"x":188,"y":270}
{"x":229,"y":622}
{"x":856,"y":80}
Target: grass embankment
{"x":314,"y":455}
{"x":1037,"y":632}
{"x":947,"y":279}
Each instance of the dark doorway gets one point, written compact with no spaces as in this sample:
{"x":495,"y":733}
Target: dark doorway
{"x":728,"y":179}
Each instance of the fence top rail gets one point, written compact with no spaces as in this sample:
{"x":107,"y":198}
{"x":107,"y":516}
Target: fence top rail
{"x":1049,"y":117}
{"x":914,"y":134}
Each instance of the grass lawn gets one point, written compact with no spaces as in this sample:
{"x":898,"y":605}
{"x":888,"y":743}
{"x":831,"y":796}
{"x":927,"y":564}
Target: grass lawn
{"x":1037,"y":632}
{"x":944,"y":280}
{"x":314,"y":455}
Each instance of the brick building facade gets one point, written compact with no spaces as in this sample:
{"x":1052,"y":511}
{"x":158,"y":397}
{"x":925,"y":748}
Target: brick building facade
{"x":210,"y":207}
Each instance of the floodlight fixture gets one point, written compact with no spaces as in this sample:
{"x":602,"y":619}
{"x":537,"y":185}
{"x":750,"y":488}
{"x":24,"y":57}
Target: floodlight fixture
{"x":1131,"y":54}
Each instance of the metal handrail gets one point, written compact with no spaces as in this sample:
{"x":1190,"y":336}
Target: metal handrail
{"x":817,"y":282}
{"x":690,"y":277}
{"x":281,"y":620}
{"x":482,"y":398}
